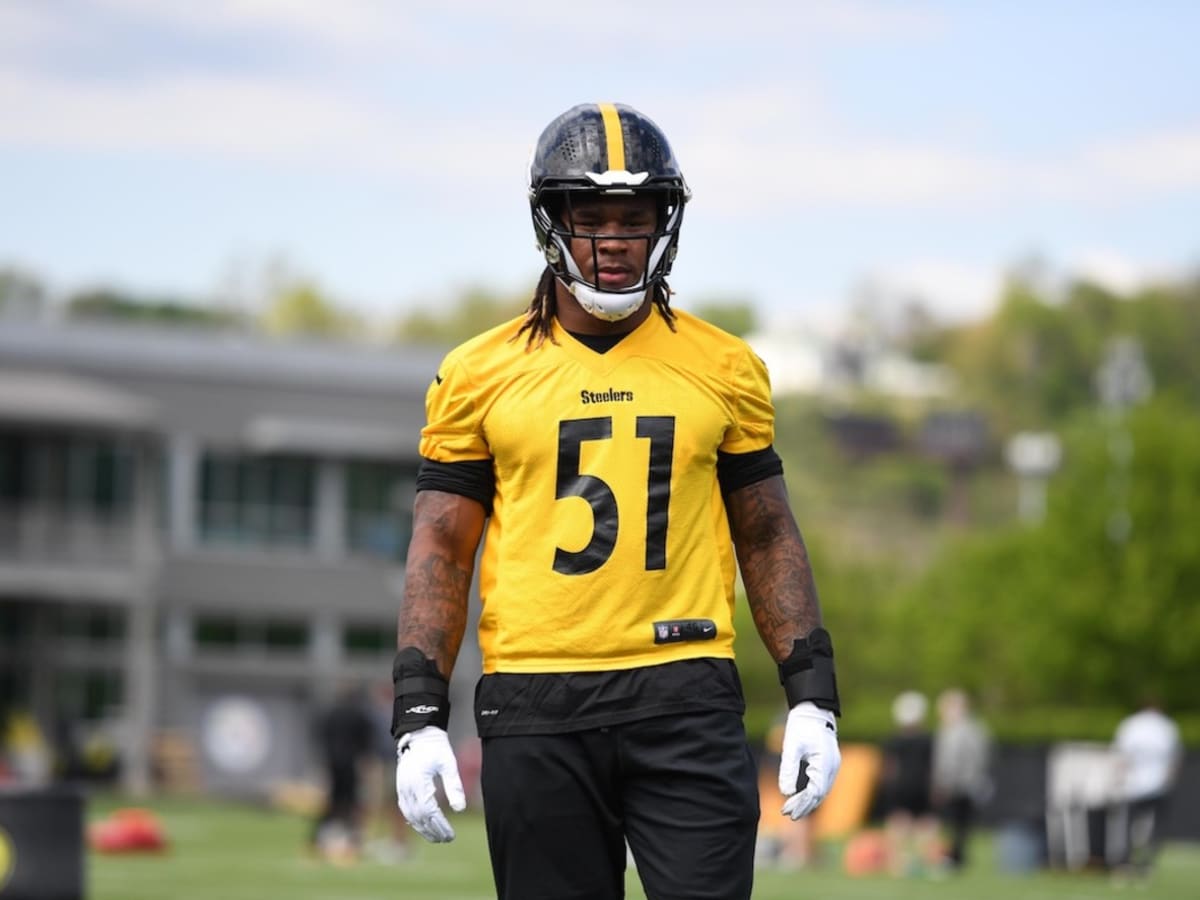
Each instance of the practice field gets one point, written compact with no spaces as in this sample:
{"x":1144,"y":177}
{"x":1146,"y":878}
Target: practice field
{"x":240,"y":853}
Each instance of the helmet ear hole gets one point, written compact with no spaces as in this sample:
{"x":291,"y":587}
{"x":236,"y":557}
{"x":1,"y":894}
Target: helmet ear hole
{"x":555,"y":205}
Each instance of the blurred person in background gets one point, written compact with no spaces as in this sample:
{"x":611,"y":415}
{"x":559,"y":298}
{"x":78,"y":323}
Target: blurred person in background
{"x":1151,"y":751}
{"x":346,"y":736}
{"x":782,"y":842}
{"x":386,"y":832}
{"x":905,"y":787}
{"x":962,"y":779}
{"x":618,"y":453}
{"x":29,"y":755}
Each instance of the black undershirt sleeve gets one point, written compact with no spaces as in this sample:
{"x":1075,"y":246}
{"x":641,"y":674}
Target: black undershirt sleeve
{"x":476,"y":479}
{"x":472,"y":478}
{"x":736,"y":470}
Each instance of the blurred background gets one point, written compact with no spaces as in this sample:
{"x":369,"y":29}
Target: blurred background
{"x":237,"y":237}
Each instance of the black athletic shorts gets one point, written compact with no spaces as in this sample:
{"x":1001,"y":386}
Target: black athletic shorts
{"x":681,"y":789}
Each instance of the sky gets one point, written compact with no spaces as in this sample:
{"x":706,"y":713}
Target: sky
{"x":839,"y":153}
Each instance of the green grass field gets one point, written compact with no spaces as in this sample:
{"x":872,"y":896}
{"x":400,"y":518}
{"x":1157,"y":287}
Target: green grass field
{"x":229,"y":852}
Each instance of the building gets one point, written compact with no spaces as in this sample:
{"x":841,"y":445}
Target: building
{"x":202,"y":536}
{"x":833,"y":369}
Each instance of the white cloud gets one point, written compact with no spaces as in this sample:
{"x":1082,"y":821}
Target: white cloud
{"x":263,"y":120}
{"x":856,"y":174}
{"x":23,"y":23}
{"x":811,"y":158}
{"x":1116,"y":270}
{"x":368,"y":23}
{"x":1161,"y":161}
{"x":349,"y":23}
{"x":795,"y":23}
{"x":785,"y":133}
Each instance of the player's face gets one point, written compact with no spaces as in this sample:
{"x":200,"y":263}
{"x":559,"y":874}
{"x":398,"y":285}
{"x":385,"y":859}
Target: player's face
{"x":613,"y":237}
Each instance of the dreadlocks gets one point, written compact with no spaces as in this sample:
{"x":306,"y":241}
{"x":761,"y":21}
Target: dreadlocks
{"x":540,"y":314}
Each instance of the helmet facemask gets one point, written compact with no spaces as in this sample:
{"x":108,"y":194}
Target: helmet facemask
{"x":554,"y":223}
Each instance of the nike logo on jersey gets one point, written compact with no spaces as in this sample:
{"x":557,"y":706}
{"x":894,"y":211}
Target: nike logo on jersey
{"x":437,"y":378}
{"x":612,"y":395}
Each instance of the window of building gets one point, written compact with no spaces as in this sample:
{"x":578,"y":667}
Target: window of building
{"x":88,"y":693}
{"x":285,"y":636}
{"x":14,"y":687}
{"x":215,"y":632}
{"x":379,"y":508}
{"x":262,"y":501}
{"x":76,"y":473}
{"x":16,"y":623}
{"x":93,"y":624}
{"x":369,"y":639}
{"x":232,"y":634}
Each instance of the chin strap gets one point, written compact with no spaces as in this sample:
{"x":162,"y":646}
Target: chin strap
{"x":807,"y":673}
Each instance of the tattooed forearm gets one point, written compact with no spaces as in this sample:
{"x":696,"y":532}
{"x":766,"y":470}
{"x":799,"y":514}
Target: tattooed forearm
{"x":774,"y":565}
{"x":437,"y":578}
{"x":433,"y":614}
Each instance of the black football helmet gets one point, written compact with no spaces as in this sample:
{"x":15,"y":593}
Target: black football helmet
{"x":606,"y":149}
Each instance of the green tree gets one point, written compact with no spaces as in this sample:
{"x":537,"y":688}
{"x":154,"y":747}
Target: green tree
{"x":476,"y":310}
{"x":735,"y":316}
{"x":1032,"y":363}
{"x":300,"y":309}
{"x":21,"y":293}
{"x":1062,"y":613}
{"x":107,"y":304}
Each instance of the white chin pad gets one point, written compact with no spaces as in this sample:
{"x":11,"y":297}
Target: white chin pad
{"x":611,"y":306}
{"x":607,"y":305}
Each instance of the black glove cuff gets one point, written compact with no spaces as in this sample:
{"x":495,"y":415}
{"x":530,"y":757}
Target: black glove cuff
{"x":422,"y":693}
{"x":807,"y":674}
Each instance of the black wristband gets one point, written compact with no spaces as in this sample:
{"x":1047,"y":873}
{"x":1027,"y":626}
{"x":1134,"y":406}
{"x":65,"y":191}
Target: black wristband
{"x":422,"y":693}
{"x":807,"y":673}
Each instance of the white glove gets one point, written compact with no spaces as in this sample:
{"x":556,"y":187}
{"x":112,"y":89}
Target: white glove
{"x":810,"y":736}
{"x":420,"y":755}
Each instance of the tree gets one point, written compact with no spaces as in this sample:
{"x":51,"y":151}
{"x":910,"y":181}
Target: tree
{"x":300,"y":309}
{"x":472,"y":312}
{"x":735,"y":316}
{"x":1062,"y":613}
{"x":107,"y":304}
{"x":21,"y":294}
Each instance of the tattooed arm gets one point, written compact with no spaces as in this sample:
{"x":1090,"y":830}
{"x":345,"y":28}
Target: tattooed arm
{"x":783,"y":600}
{"x":774,"y":564}
{"x":441,"y":560}
{"x":433,"y":618}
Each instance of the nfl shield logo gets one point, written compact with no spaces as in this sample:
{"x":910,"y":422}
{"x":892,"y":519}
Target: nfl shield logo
{"x":662,"y":631}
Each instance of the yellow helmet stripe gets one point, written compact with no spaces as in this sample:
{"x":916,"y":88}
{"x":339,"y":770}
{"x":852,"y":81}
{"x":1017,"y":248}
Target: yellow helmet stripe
{"x":613,"y":136}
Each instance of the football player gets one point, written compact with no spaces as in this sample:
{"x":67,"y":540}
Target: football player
{"x":615,"y":457}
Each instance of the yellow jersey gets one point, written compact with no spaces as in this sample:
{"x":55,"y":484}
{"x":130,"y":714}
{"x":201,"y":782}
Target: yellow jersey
{"x":607,"y":526}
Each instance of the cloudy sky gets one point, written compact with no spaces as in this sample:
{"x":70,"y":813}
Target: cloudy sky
{"x":835,"y":149}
